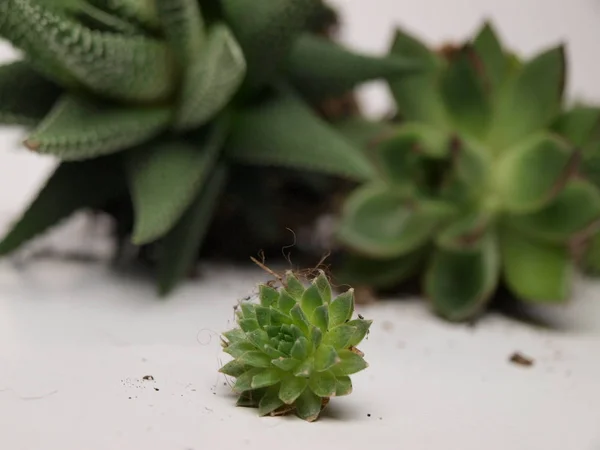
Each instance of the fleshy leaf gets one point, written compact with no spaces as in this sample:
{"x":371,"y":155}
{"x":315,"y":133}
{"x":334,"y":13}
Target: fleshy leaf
{"x":212,"y":80}
{"x":291,"y":388}
{"x":244,"y":381}
{"x":255,"y":359}
{"x":285,"y":364}
{"x":249,"y":325}
{"x":72,"y":186}
{"x":459,"y":284}
{"x":343,"y":386}
{"x":73,"y":55}
{"x":300,"y":319}
{"x":578,"y":125}
{"x":235,"y":335}
{"x":341,"y":308}
{"x":464,"y":92}
{"x":320,"y":67}
{"x":234,"y":368}
{"x":311,"y":300}
{"x":266,"y":378}
{"x":574,"y":209}
{"x":259,"y":338}
{"x":300,"y":349}
{"x":350,"y":363}
{"x":250,"y":398}
{"x":320,"y":317}
{"x":489,"y":49}
{"x":269,"y":402}
{"x":268,"y":296}
{"x":325,"y":358}
{"x":323,"y":384}
{"x":183,"y":26}
{"x":522,"y":189}
{"x":305,"y":369}
{"x":286,"y":302}
{"x":294,"y":287}
{"x":77,"y":129}
{"x":308,"y":406}
{"x":266,"y":30}
{"x":362,"y":328}
{"x":238,"y":348}
{"x":536,"y":271}
{"x":263,"y":316}
{"x":380,"y":223}
{"x":165,"y":178}
{"x":180,"y":247}
{"x":363,"y":132}
{"x":322,"y":283}
{"x":141,"y":12}
{"x":531,"y":100}
{"x":283,"y":131}
{"x":25,"y":96}
{"x":340,"y":336}
{"x":466,"y":232}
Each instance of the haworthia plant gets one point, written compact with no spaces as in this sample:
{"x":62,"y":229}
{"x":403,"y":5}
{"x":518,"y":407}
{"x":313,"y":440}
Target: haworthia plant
{"x":167,"y":92}
{"x":480,"y":183}
{"x":295,"y":349}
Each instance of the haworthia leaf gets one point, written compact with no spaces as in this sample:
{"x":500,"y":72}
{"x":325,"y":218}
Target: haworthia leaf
{"x":211,"y":80}
{"x":341,"y":308}
{"x":323,"y":383}
{"x":142,"y":12}
{"x":263,"y":316}
{"x":25,"y":96}
{"x":283,"y":131}
{"x":308,"y":406}
{"x":249,"y":325}
{"x":78,"y":129}
{"x":164,"y":179}
{"x":350,"y":363}
{"x":536,"y":271}
{"x":291,"y":388}
{"x":250,"y":398}
{"x":531,"y":100}
{"x":234,"y":336}
{"x":286,"y":302}
{"x":269,"y":402}
{"x":267,"y":377}
{"x":73,"y":54}
{"x":72,"y":186}
{"x":181,"y":245}
{"x":259,"y":338}
{"x":305,"y":369}
{"x":266,"y":30}
{"x":320,"y":67}
{"x":183,"y":26}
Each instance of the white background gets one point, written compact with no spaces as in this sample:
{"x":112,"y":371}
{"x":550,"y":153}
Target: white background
{"x":76,"y":339}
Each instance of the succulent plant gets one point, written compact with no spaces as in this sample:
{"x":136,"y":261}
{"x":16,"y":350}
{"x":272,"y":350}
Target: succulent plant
{"x":295,"y":349}
{"x":481,"y":181}
{"x":151,"y":102}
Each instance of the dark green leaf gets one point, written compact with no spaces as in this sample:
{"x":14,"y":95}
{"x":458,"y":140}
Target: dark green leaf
{"x":265,"y":378}
{"x":291,"y":388}
{"x":234,"y":368}
{"x":578,"y":125}
{"x":269,"y":402}
{"x":343,"y":385}
{"x":308,"y":406}
{"x":493,"y":59}
{"x":183,"y":26}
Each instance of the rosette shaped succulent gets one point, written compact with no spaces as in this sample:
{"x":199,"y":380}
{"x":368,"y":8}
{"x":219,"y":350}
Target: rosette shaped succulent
{"x":149,"y":103}
{"x":295,"y":349}
{"x":481,"y":181}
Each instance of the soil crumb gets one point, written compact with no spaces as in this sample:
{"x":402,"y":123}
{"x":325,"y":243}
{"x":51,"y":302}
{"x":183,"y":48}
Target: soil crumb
{"x":148,"y":378}
{"x":521,"y":360}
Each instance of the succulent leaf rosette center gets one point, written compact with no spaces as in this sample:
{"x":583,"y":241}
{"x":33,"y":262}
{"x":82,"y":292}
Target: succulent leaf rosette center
{"x":296,"y":348}
{"x":481,"y":181}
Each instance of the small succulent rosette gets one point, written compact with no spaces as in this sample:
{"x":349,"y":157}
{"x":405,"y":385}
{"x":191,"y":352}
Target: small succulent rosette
{"x":295,"y":349}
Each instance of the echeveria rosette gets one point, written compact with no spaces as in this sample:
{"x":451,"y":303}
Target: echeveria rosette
{"x":295,"y":349}
{"x":478,"y":183}
{"x":165,"y":96}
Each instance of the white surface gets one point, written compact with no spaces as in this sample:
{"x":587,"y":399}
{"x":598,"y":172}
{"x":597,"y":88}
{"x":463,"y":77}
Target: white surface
{"x":76,"y":341}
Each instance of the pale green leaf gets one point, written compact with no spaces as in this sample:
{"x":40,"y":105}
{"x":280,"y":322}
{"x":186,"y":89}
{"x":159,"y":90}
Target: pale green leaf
{"x":268,"y":296}
{"x":362,"y":328}
{"x":234,"y":368}
{"x":266,"y":378}
{"x":311,"y":300}
{"x":255,"y":359}
{"x":339,"y":337}
{"x":341,"y":308}
{"x":291,"y":388}
{"x":269,"y":402}
{"x":350,"y":363}
{"x":300,"y":349}
{"x":343,"y":385}
{"x":308,"y":406}
{"x":325,"y":357}
{"x":320,"y":318}
{"x":323,"y":383}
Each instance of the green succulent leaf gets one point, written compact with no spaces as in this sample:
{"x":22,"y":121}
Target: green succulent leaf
{"x":74,"y":55}
{"x":180,"y":246}
{"x":490,"y":52}
{"x":234,"y":368}
{"x":466,"y":233}
{"x":350,"y":363}
{"x":306,"y":368}
{"x":325,"y":358}
{"x":291,"y":388}
{"x":164,"y":179}
{"x":71,"y":187}
{"x":300,"y":349}
{"x":465,"y":94}
{"x":268,"y":296}
{"x":294,"y":287}
{"x":323,"y":286}
{"x":78,"y":129}
{"x":380,"y":223}
{"x":319,"y":67}
{"x":416,"y":95}
{"x":308,"y":406}
{"x":343,"y":386}
{"x":578,"y":125}
{"x":101,"y":20}
{"x":267,"y":30}
{"x":141,"y":12}
{"x":238,"y":348}
{"x":531,"y":100}
{"x":473,"y":165}
{"x":341,"y":308}
{"x":362,"y":328}
{"x":286,"y":302}
{"x":269,"y":402}
{"x":250,"y":398}
{"x":362,"y":132}
{"x":263,"y":316}
{"x":340,"y":336}
{"x":249,"y":325}
{"x":244,"y":381}
{"x":267,"y":377}
{"x":320,"y":317}
{"x":311,"y":300}
{"x":536,"y":271}
{"x":25,"y":96}
{"x":283,"y":131}
{"x":235,"y":335}
{"x":300,"y":319}
{"x":285,"y":364}
{"x":212,"y":80}
{"x":459,"y":284}
{"x":522,"y":189}
{"x":255,"y":359}
{"x":183,"y":26}
{"x":573,"y":210}
{"x":248,"y":310}
{"x":323,"y":383}
{"x":259,"y":338}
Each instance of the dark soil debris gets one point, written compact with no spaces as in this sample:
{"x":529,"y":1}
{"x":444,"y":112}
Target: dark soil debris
{"x":521,"y":360}
{"x":156,"y":389}
{"x":368,"y":415}
{"x":148,"y":378}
